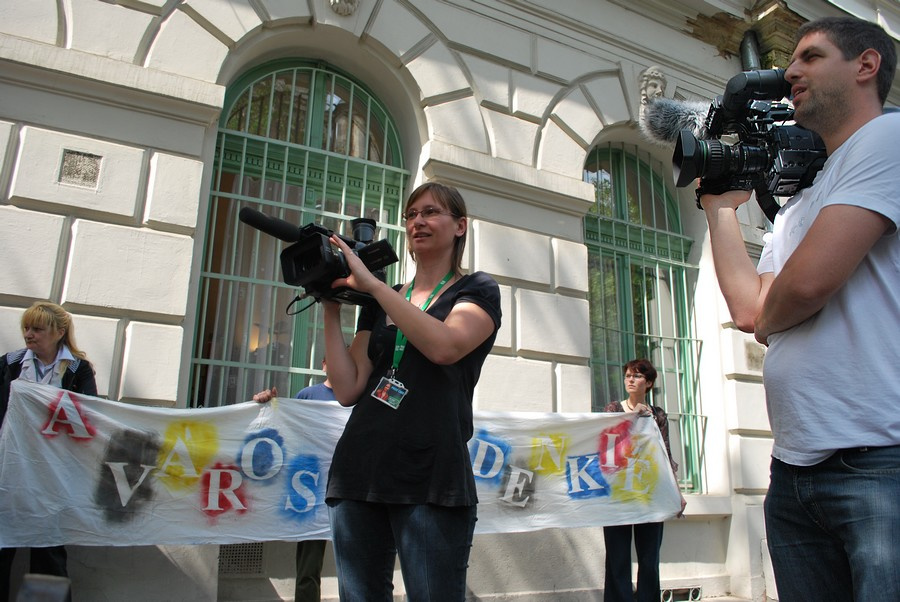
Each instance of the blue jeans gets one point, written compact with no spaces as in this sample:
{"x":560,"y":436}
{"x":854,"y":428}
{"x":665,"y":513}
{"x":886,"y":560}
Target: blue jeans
{"x":834,"y":528}
{"x":617,"y":580}
{"x":433,"y":543}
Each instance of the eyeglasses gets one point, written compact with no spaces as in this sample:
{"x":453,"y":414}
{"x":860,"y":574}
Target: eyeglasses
{"x":637,"y":376}
{"x":426,"y":213}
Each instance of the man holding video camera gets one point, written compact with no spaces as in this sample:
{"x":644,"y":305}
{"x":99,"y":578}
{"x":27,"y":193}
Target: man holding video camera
{"x":825,"y":299}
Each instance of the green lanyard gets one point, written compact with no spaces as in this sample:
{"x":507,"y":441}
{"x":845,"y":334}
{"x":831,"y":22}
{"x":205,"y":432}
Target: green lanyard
{"x":400,"y":344}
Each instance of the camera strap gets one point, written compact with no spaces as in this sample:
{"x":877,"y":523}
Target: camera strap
{"x":767,"y":202}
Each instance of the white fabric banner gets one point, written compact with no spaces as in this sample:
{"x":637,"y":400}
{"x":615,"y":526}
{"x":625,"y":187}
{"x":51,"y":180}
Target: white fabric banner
{"x":87,"y":471}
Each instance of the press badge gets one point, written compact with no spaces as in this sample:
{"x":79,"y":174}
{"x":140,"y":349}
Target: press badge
{"x":390,"y":391}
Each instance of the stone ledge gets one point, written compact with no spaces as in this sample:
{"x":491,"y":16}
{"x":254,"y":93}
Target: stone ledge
{"x":707,"y":506}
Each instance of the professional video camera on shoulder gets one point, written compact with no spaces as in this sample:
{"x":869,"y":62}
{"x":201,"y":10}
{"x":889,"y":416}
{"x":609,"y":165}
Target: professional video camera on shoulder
{"x":771,"y":158}
{"x":313,"y":263}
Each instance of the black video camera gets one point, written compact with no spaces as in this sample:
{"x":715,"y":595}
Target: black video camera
{"x":313,"y":263}
{"x":773,"y":160}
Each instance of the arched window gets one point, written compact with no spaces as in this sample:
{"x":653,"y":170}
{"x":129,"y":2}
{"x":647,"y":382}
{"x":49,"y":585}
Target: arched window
{"x":641,"y":293}
{"x":304,"y":143}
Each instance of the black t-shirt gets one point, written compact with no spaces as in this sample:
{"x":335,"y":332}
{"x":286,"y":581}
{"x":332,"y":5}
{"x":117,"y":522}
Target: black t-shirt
{"x":417,"y":453}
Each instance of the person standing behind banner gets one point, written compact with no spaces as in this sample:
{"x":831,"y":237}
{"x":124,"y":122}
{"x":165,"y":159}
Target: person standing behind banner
{"x":640,"y":375}
{"x":310,"y":552}
{"x":401,"y":481}
{"x":50,"y":357}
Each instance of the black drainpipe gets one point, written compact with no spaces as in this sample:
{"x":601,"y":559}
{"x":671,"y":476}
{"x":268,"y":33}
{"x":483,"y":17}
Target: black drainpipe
{"x":750,"y":52}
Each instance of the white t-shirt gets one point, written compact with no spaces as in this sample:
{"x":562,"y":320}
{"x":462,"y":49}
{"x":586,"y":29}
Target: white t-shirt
{"x":833,"y":381}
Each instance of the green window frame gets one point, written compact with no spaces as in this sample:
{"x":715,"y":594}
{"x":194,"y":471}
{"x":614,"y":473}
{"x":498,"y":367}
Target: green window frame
{"x":303,"y":142}
{"x":640,"y":291}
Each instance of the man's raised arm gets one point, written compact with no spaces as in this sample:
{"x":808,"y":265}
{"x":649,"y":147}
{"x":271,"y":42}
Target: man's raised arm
{"x":744,"y":289}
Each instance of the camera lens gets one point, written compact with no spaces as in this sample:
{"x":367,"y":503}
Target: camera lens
{"x":713,"y":159}
{"x":687,"y":160}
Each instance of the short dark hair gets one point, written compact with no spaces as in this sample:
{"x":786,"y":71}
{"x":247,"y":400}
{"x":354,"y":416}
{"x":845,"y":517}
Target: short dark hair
{"x":854,"y":36}
{"x":644,"y":367}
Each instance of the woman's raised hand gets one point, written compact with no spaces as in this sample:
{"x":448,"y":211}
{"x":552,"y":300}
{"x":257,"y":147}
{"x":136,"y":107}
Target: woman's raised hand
{"x":266,"y":395}
{"x":360,"y":278}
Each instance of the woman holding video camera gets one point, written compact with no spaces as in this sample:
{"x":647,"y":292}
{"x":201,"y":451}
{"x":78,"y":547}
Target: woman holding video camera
{"x":401,"y":481}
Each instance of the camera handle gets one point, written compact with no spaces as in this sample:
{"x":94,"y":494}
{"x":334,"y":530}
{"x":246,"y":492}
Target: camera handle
{"x":764,"y":198}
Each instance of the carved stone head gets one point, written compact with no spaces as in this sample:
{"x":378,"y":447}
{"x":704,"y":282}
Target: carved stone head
{"x":344,"y":8}
{"x":653,"y":84}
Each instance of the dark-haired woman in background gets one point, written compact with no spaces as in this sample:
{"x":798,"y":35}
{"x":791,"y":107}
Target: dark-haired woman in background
{"x":640,"y":375}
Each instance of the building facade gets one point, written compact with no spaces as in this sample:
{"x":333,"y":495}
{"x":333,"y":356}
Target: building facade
{"x":132,"y":132}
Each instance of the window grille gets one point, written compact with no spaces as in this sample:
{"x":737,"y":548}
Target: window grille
{"x":303,"y":143}
{"x":641,"y":294}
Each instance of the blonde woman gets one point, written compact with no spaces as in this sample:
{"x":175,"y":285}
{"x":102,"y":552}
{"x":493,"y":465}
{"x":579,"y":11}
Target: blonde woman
{"x":50,"y":357}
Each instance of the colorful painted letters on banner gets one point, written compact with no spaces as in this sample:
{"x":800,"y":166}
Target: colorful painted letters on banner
{"x":83,"y":470}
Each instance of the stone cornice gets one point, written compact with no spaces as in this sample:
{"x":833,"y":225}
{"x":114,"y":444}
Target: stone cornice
{"x":536,"y":16}
{"x":775,"y":25}
{"x":772,"y":21}
{"x":508,"y":179}
{"x":66,"y":71}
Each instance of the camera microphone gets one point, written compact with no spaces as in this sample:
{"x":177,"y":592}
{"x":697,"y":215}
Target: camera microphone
{"x":663,"y":119}
{"x":272,"y":226}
